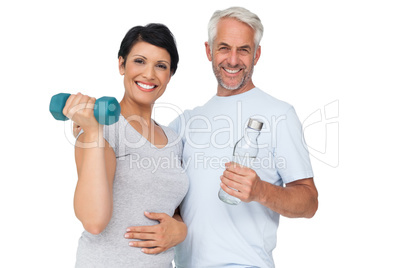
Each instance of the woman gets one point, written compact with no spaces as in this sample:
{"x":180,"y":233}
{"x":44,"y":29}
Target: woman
{"x":117,"y":181}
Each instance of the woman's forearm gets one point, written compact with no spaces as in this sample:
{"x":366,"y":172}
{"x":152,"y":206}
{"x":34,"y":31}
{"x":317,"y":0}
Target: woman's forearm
{"x":93,"y":199}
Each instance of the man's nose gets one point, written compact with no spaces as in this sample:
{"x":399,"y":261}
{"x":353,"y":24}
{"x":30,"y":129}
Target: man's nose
{"x":233,"y":58}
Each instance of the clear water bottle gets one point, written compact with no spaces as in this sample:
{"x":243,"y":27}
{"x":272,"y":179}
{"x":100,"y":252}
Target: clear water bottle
{"x":244,"y":152}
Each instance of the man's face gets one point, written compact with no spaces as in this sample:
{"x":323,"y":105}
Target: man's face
{"x":233,"y":56}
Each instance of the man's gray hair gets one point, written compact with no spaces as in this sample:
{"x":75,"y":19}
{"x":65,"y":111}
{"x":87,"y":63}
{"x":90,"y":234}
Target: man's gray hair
{"x":242,"y":15}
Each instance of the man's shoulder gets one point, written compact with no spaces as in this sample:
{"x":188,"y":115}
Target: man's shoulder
{"x":182,"y":119}
{"x":198,"y":110}
{"x":272,"y":103}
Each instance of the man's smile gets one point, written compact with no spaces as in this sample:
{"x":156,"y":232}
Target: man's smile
{"x":231,"y":71}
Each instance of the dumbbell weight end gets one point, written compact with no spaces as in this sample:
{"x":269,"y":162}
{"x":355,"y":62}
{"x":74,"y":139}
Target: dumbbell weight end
{"x":57,"y":104}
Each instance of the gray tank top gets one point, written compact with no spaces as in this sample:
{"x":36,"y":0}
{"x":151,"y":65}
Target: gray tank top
{"x":146,"y":179}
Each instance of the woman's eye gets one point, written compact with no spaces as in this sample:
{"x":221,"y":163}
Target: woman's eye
{"x":162,"y":66}
{"x":140,"y":61}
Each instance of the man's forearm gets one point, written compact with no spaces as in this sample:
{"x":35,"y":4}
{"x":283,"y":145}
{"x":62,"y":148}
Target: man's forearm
{"x":183,"y":226}
{"x":298,"y":199}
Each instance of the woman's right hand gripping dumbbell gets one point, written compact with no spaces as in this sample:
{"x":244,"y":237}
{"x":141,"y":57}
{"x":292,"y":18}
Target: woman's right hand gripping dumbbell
{"x":80,"y":109}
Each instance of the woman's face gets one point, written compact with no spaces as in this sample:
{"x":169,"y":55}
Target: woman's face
{"x":146,"y":73}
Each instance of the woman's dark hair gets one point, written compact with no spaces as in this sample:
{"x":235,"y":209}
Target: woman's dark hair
{"x":154,"y":33}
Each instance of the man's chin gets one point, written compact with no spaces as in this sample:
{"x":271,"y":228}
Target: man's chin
{"x":231,"y":87}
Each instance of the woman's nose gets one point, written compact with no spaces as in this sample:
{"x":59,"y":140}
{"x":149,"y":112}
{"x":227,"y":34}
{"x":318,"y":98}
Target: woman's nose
{"x":149,"y":72}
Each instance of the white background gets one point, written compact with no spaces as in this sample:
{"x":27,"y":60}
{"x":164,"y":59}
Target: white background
{"x":344,"y":54}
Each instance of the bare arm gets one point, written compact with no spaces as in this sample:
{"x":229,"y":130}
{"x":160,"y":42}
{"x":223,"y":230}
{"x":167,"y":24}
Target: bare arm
{"x":93,"y":199}
{"x":96,"y":163}
{"x":297,"y":199}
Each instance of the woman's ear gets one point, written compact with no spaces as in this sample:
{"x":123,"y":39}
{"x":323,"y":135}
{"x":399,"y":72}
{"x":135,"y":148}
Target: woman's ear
{"x":122,"y":68}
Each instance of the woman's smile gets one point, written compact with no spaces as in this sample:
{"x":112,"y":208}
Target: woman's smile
{"x":147,"y":87}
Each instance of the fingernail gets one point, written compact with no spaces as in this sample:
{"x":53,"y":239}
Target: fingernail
{"x":126,"y":235}
{"x":143,"y":250}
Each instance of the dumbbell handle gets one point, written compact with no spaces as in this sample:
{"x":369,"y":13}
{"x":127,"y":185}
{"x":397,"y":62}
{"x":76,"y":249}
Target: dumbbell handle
{"x":106,"y":110}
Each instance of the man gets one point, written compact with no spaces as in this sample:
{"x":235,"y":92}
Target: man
{"x":222,"y":235}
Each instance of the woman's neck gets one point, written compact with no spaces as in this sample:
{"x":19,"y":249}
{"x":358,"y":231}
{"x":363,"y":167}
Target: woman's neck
{"x":134,"y":111}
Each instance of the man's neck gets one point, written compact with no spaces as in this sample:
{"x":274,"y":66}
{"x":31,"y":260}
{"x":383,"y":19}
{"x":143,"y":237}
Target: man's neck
{"x":223,"y":92}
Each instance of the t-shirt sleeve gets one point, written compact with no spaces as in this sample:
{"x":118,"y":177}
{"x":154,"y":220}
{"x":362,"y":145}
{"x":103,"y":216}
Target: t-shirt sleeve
{"x":175,"y":125}
{"x":178,"y":125}
{"x":291,"y":153}
{"x":109,"y":134}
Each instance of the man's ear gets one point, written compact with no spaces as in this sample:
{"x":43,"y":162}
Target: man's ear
{"x":208,"y":51}
{"x":122,"y":68}
{"x":257,"y":55}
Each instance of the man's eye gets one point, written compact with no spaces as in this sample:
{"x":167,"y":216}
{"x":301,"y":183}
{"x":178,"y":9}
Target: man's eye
{"x":244,"y":51}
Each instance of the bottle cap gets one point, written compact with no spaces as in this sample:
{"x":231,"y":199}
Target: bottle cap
{"x":255,"y":124}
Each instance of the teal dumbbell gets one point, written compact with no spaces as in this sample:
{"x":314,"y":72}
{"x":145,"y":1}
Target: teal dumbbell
{"x":106,"y":110}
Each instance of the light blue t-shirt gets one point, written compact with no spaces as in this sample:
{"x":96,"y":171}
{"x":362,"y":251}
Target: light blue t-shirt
{"x":221,"y":235}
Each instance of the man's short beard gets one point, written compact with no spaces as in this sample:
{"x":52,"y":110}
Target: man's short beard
{"x":245,"y":79}
{"x":235,"y":87}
